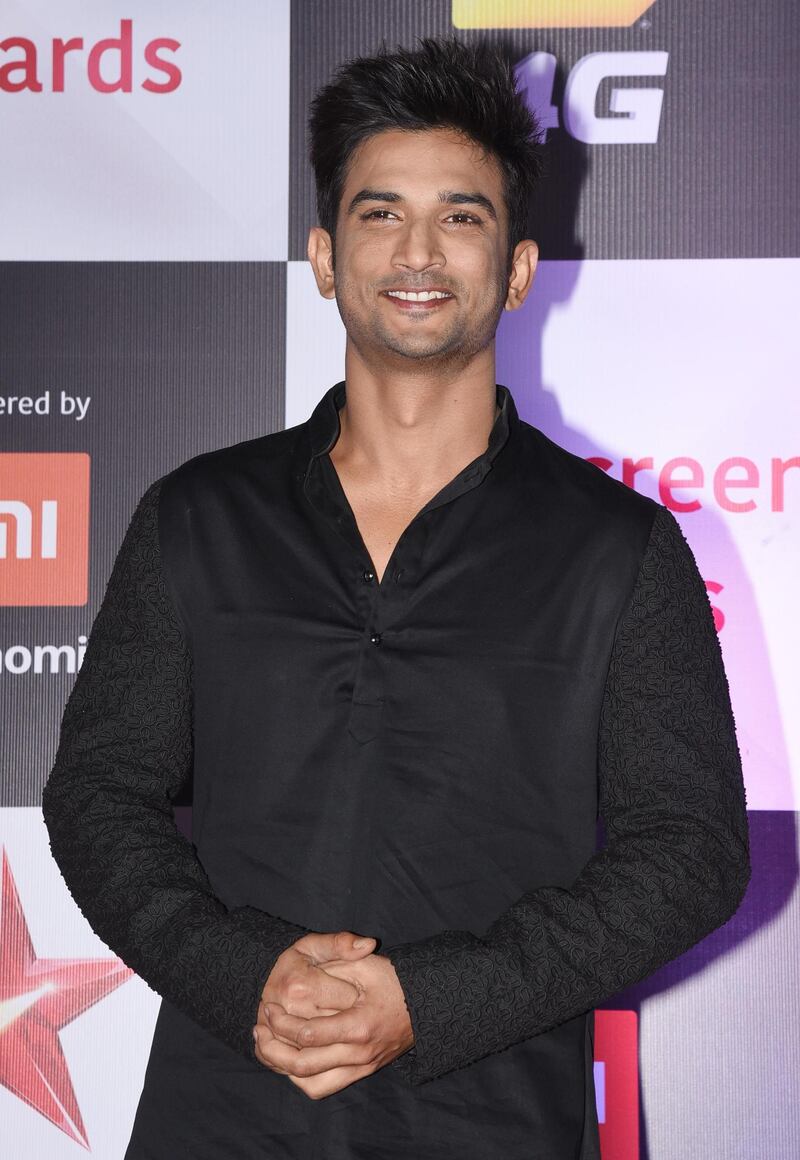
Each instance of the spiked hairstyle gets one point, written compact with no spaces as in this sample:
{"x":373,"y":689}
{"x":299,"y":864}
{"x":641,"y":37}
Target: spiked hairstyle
{"x":441,"y":84}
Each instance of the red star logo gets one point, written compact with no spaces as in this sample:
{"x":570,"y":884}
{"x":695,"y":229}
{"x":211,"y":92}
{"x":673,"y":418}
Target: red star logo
{"x":37,"y":998}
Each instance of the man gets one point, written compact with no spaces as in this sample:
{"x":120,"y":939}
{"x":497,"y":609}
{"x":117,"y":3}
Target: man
{"x":408,"y":648}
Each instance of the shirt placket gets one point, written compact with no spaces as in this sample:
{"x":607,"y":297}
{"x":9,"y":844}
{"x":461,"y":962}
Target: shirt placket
{"x":380,"y":604}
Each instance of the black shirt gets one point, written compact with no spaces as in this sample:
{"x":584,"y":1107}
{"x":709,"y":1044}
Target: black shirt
{"x":421,"y":760}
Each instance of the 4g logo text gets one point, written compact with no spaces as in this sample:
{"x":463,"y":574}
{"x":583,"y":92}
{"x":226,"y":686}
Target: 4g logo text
{"x":633,"y":116}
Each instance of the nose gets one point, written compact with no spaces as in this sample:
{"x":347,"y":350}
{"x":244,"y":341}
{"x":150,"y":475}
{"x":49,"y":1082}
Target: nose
{"x":418,"y":247}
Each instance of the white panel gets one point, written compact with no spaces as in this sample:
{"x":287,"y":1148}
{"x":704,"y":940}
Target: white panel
{"x":664,"y":359}
{"x":315,"y":342}
{"x":197,"y":173}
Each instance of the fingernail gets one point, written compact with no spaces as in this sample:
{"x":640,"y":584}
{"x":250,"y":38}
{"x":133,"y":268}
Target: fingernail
{"x":361,"y":942}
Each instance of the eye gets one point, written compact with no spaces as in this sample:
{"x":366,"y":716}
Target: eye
{"x":466,"y":219}
{"x":377,"y":215}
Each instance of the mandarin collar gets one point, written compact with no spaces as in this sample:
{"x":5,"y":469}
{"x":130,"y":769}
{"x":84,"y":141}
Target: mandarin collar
{"x":323,"y":425}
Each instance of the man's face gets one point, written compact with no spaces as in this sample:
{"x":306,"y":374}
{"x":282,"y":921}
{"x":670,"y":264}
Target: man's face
{"x":421,"y":212}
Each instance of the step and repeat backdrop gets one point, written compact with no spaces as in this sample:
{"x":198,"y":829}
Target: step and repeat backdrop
{"x":155,"y":302}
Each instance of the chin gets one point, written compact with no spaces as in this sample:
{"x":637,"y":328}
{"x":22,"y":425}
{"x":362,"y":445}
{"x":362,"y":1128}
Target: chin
{"x":420,"y":347}
{"x":423,"y":351}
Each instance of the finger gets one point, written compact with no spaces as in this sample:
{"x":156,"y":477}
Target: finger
{"x":307,"y":992}
{"x":266,"y":1018}
{"x":333,"y":992}
{"x":319,"y":1031}
{"x":313,"y":1060}
{"x":316,"y":1087}
{"x":342,"y":969}
{"x":263,"y":1037}
{"x":263,"y":1019}
{"x":336,"y":945}
{"x":284,"y":1026}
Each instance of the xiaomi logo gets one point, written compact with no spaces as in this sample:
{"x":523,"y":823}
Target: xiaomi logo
{"x":44,"y":529}
{"x":548,"y":13}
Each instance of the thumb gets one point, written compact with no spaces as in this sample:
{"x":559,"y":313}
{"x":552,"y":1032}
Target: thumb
{"x":342,"y":944}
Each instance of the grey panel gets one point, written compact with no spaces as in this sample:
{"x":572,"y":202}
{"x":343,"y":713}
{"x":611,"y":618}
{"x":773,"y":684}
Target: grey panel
{"x":722,"y":179}
{"x":178,"y":358}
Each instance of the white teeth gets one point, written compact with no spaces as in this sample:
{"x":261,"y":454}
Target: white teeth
{"x":418,"y":296}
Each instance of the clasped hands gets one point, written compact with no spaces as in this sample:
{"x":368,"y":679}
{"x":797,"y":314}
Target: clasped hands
{"x":331,"y":1013}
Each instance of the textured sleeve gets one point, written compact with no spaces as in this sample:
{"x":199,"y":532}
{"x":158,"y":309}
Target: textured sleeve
{"x":676,"y":861}
{"x":125,"y":749}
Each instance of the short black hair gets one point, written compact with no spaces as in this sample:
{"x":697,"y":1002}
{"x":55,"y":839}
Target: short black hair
{"x":443,"y":83}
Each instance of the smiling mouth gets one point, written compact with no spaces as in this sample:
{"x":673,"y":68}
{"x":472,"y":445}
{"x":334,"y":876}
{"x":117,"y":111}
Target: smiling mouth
{"x":425,"y":298}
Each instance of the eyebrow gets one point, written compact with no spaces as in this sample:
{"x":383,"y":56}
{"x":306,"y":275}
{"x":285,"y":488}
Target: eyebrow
{"x":446,"y":196}
{"x":372,"y":195}
{"x":454,"y":198}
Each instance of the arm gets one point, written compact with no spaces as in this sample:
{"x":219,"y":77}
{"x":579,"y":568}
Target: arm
{"x":125,"y":750}
{"x":675,"y":866}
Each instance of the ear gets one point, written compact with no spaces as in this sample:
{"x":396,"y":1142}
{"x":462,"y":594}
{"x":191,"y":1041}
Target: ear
{"x":523,"y":268}
{"x":320,"y":255}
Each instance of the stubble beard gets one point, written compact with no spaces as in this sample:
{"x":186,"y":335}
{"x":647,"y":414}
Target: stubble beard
{"x":452,"y":348}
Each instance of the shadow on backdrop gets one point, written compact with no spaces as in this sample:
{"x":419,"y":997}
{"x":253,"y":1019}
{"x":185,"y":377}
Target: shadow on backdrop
{"x":520,"y":367}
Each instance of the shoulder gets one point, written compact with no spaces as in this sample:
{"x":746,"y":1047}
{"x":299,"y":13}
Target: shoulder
{"x":229,"y":465}
{"x":581,"y":495}
{"x":213,"y":480}
{"x":580,"y":482}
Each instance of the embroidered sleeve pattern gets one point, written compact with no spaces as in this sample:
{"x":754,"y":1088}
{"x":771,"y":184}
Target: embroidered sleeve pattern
{"x":124,"y":751}
{"x":676,"y":861}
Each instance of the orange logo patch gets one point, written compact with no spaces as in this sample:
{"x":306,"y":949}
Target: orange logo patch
{"x":44,"y":529}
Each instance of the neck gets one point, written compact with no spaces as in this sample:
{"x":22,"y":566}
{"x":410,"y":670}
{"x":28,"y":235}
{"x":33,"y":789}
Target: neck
{"x":407,"y":431}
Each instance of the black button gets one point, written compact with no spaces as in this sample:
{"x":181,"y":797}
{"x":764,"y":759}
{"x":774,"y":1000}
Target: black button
{"x":376,"y":638}
{"x":367,"y":576}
